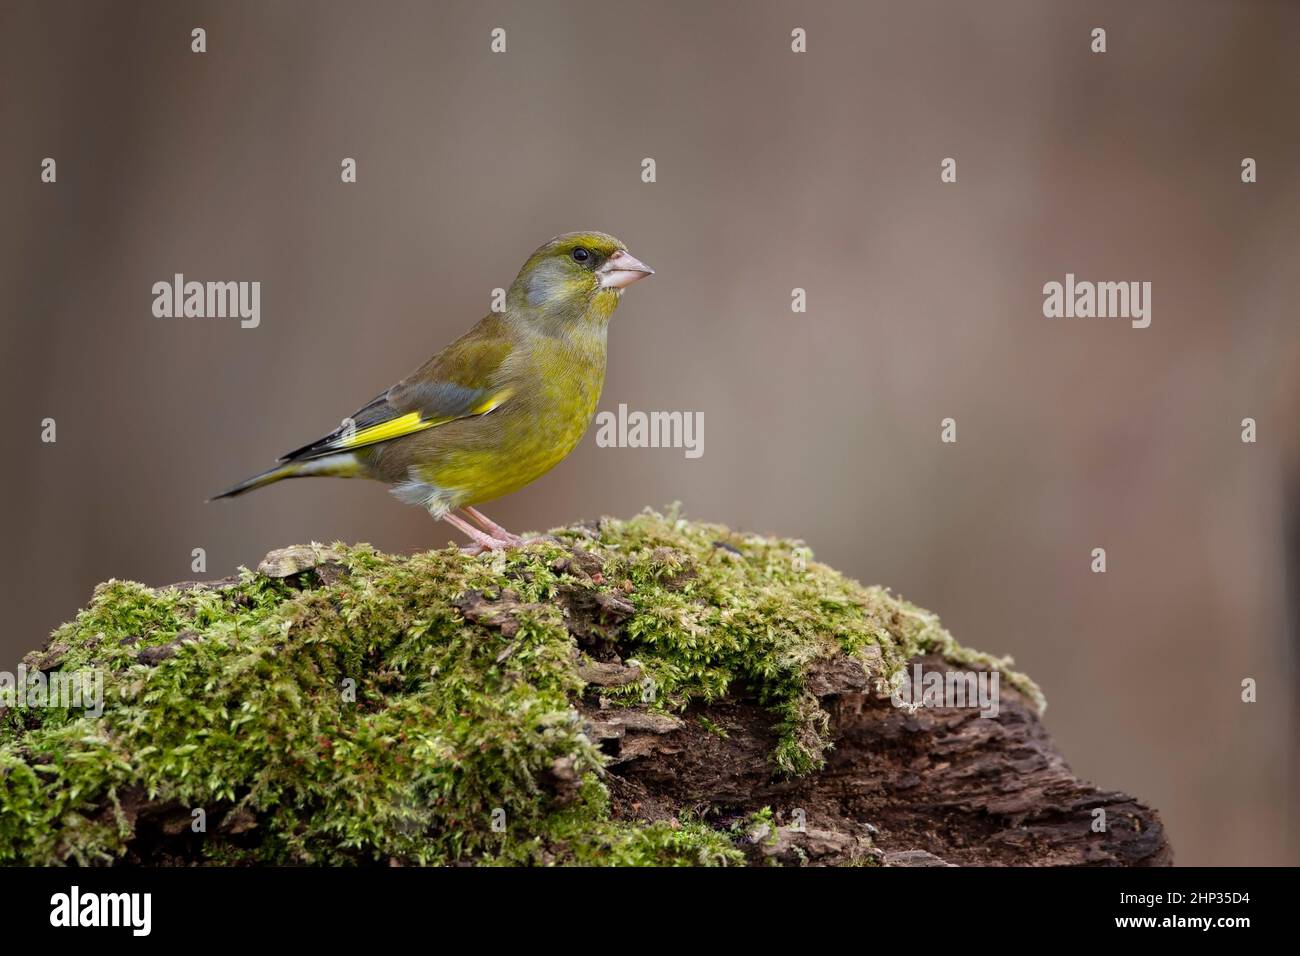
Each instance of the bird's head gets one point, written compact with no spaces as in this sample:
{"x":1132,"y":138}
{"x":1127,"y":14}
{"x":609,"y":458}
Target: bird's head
{"x":576,"y":275}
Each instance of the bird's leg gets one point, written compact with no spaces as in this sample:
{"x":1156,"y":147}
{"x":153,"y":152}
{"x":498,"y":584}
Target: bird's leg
{"x":481,"y":540}
{"x":490,"y":526}
{"x":500,"y":533}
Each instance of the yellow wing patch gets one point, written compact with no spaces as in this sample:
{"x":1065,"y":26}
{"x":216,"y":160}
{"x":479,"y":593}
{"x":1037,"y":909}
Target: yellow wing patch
{"x":493,"y":402}
{"x":393,"y":428}
{"x":411,"y":423}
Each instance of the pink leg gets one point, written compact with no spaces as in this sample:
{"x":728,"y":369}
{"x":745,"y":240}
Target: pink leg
{"x":482,"y":541}
{"x":490,"y":526}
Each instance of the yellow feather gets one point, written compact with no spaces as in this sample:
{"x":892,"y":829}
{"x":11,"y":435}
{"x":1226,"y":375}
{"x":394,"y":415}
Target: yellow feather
{"x":411,"y":423}
{"x":493,"y":402}
{"x":394,"y":428}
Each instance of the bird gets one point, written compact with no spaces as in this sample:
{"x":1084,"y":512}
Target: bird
{"x":498,"y":407}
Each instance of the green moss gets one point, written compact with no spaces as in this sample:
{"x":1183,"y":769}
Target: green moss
{"x":360,"y":716}
{"x":584,"y":835}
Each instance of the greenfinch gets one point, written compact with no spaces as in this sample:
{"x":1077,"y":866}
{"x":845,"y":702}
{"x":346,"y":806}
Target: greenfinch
{"x":496,"y":409}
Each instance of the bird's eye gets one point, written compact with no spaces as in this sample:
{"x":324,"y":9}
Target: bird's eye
{"x":581,"y":255}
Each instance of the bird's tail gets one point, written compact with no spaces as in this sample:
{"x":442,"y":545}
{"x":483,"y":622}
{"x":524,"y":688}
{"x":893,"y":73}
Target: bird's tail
{"x":334,"y":466}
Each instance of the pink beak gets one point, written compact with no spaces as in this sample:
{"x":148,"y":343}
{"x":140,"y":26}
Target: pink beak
{"x":622,"y":269}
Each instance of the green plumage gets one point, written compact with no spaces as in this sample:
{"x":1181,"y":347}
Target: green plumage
{"x":500,"y":406}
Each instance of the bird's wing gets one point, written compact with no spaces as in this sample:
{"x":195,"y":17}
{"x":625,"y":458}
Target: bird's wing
{"x":461,"y":381}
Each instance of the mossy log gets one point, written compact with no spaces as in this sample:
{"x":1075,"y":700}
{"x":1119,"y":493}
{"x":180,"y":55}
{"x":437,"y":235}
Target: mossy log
{"x":652,"y":691}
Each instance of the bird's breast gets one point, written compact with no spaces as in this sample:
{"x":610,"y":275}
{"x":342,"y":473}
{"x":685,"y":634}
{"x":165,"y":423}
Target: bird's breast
{"x":555,"y":394}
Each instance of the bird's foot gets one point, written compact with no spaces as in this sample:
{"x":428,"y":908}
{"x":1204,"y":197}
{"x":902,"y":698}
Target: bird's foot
{"x":485,"y":545}
{"x":480,"y":541}
{"x":491,"y":527}
{"x":488,"y":543}
{"x":490,"y":536}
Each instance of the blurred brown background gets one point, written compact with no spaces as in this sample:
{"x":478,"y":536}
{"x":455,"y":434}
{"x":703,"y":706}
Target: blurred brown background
{"x":775,"y":170}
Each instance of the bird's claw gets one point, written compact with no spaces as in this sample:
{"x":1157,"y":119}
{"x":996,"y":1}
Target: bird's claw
{"x":485,"y":546}
{"x":489,"y":536}
{"x":489,"y":544}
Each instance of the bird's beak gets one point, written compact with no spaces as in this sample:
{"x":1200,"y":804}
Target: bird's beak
{"x":622,"y":269}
